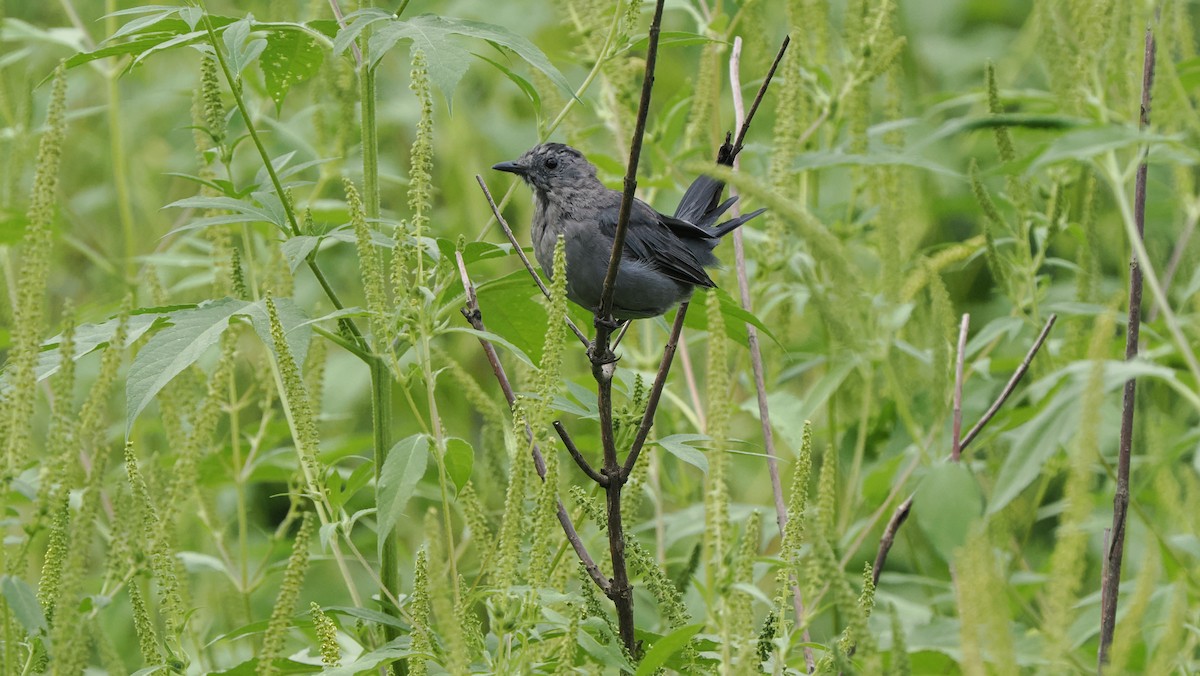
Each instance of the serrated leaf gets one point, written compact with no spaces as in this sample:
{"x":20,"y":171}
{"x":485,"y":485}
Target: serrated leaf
{"x":459,"y":460}
{"x":402,"y":470}
{"x":297,"y":249}
{"x":1056,"y":423}
{"x":23,"y":603}
{"x":291,"y":57}
{"x":154,"y":15}
{"x":448,"y":61}
{"x":510,"y":309}
{"x":679,"y":446}
{"x":137,"y":46}
{"x":175,"y":348}
{"x":88,"y":337}
{"x":494,"y":338}
{"x":948,"y":502}
{"x":356,"y":22}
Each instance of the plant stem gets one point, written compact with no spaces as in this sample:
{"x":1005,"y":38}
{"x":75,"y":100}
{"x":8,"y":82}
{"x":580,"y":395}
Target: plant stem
{"x":956,"y":429}
{"x":1111,"y":579}
{"x":288,"y":209}
{"x":471,"y":312}
{"x":116,"y":148}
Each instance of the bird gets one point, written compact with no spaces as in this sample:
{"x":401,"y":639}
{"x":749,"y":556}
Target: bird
{"x":664,"y":257}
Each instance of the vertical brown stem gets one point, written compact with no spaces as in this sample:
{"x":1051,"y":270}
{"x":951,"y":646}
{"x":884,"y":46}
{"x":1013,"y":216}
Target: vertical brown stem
{"x":1111,"y":582}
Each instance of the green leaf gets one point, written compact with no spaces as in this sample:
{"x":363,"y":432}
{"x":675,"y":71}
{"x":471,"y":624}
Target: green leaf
{"x":511,"y":308}
{"x":735,"y":318}
{"x":23,"y":603}
{"x":402,"y":470}
{"x":1060,"y":395}
{"x":664,"y":648}
{"x":297,"y":329}
{"x":524,"y":85}
{"x":191,"y":333}
{"x":356,"y":22}
{"x":136,"y":46}
{"x":494,"y":338}
{"x":155,"y":14}
{"x":241,"y":48}
{"x":89,"y":337}
{"x":260,"y":212}
{"x":948,"y":502}
{"x":459,"y":460}
{"x":291,"y":57}
{"x":788,"y":411}
{"x":679,"y":446}
{"x":173,"y":349}
{"x":836,"y":158}
{"x":447,"y":60}
{"x":1086,"y":143}
{"x":371,"y":661}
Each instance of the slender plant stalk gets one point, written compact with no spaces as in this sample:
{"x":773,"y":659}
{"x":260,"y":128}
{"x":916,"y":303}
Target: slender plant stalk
{"x":1114,"y":553}
{"x":956,"y":431}
{"x":475,"y":318}
{"x":756,"y":361}
{"x":903,"y":509}
{"x":116,"y":141}
{"x":288,"y":208}
{"x":603,"y":361}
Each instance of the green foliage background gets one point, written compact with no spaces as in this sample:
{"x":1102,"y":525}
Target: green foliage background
{"x":920,"y":160}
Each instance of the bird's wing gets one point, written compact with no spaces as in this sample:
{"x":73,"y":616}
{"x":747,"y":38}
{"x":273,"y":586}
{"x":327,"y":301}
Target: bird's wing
{"x":650,"y":239}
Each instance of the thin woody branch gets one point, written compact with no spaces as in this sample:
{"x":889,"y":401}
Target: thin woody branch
{"x":512,"y":239}
{"x":903,"y":509}
{"x":664,"y":367}
{"x":472,"y":314}
{"x":1110,"y":585}
{"x":742,"y":119}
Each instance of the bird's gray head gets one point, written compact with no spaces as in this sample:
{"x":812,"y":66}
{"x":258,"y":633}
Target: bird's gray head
{"x":551,"y":167}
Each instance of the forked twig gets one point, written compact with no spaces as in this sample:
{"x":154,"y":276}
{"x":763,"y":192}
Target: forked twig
{"x":1011,"y":385}
{"x":903,"y":509}
{"x":471,"y":312}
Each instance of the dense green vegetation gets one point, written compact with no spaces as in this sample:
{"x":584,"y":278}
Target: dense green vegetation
{"x":246,"y":428}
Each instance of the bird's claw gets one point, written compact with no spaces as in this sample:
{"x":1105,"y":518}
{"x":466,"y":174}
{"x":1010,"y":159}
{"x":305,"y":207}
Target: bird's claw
{"x":609,"y":323}
{"x":608,"y":357}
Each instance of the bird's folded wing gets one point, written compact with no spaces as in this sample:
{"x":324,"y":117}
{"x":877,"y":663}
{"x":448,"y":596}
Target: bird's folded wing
{"x":650,"y":240}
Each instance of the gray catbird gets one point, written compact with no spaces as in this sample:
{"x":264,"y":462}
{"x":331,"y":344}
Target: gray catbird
{"x":664,"y":256}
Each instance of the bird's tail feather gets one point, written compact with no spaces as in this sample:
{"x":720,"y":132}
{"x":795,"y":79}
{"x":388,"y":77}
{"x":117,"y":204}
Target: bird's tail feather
{"x":734,"y":223}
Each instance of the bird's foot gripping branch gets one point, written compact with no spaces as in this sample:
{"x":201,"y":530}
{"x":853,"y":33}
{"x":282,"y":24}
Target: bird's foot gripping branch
{"x":655,"y":263}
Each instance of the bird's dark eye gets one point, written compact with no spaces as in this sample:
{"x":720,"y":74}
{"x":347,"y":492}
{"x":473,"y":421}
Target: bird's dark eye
{"x":551,"y":163}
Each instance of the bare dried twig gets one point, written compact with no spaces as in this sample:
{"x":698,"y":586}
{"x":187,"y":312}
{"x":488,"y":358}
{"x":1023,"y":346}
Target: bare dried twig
{"x":475,"y":318}
{"x":1011,"y":385}
{"x":903,"y":509}
{"x":889,"y":537}
{"x":756,"y":361}
{"x":1110,"y":585}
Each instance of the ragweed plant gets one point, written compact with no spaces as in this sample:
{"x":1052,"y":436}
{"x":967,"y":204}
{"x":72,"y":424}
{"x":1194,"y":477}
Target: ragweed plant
{"x":285,"y":331}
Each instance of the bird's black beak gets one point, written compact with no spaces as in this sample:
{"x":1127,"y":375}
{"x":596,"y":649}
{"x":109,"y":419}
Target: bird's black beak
{"x":510,"y":167}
